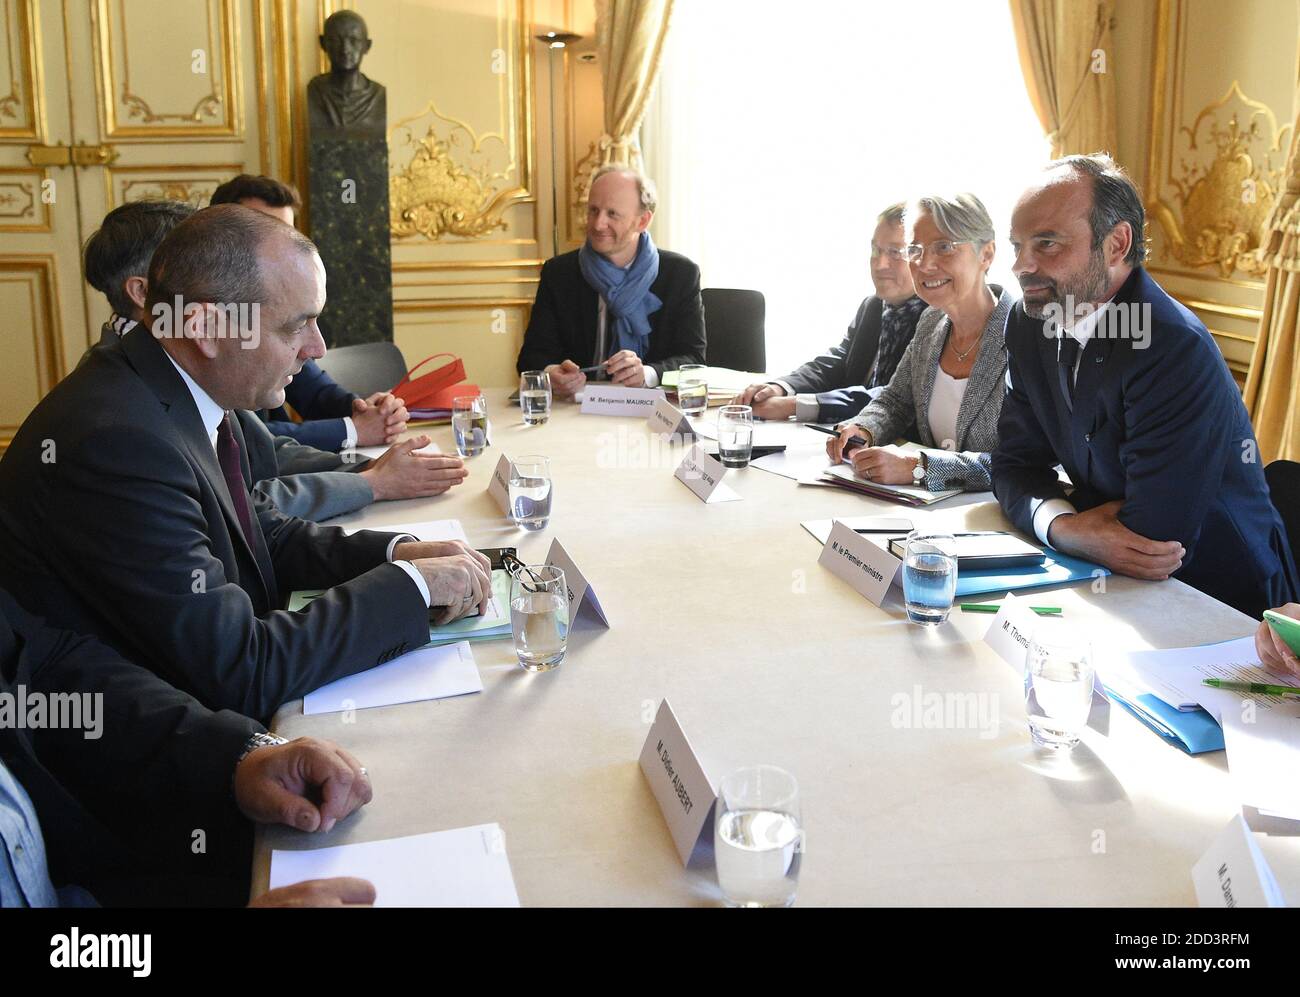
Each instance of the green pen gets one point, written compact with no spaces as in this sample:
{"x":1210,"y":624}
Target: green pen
{"x":993,"y":607}
{"x":1260,"y":687}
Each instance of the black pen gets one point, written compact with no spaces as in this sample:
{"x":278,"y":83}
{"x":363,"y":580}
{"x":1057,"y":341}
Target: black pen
{"x":850,"y":443}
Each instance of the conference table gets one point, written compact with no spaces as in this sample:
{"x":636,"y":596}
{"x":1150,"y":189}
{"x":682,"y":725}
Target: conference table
{"x":767,"y":657}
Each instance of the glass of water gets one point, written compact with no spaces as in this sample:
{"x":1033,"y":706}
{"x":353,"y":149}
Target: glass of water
{"x":469,"y":424}
{"x":535,"y":396}
{"x":735,"y":435}
{"x":539,"y":616}
{"x":758,"y":837}
{"x":929,"y":576}
{"x":530,"y":492}
{"x":692,"y":389}
{"x":1058,"y":686}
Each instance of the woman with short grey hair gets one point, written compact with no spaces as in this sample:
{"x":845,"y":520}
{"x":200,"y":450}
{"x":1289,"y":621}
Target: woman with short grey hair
{"x":949,"y":385}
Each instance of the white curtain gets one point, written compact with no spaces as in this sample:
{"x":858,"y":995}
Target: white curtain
{"x":780,"y":130}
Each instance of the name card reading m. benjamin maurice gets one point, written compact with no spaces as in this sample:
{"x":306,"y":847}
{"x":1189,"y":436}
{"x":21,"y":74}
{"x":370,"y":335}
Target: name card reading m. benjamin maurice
{"x":868,"y":567}
{"x":614,"y":399}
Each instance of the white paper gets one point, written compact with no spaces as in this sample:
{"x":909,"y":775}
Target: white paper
{"x":1234,"y":873}
{"x":702,"y":474}
{"x":464,"y":867}
{"x":425,"y":673}
{"x":869,"y":568}
{"x":797,"y":463}
{"x":820,"y":529}
{"x":428,"y":531}
{"x":614,"y":399}
{"x":1175,"y":675}
{"x":681,"y":787}
{"x":1263,"y":749}
{"x":793,"y":435}
{"x":499,"y":486}
{"x":580,"y":593}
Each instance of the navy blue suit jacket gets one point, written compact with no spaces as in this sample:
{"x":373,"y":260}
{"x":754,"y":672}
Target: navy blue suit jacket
{"x":321,"y":402}
{"x":1162,"y":427}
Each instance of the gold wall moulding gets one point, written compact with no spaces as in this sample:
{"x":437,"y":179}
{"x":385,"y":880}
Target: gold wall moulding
{"x":191,"y":183}
{"x":21,"y":206}
{"x":1229,"y":171}
{"x":455,"y":185}
{"x":22,"y":113}
{"x":126,"y":113}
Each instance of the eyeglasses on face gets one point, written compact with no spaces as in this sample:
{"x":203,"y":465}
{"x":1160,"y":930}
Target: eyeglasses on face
{"x":940,"y":248}
{"x":893,"y":254}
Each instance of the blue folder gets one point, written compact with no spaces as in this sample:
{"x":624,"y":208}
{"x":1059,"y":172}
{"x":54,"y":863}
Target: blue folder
{"x":1055,"y":570}
{"x":1192,"y":730}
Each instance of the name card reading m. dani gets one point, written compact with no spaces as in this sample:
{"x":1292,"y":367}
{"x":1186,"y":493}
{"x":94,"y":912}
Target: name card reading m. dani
{"x":684,"y":792}
{"x":499,"y":486}
{"x":868,"y":567}
{"x":668,"y":421}
{"x":614,"y":399}
{"x":581,"y":594}
{"x":702,"y":474}
{"x":1234,"y":872}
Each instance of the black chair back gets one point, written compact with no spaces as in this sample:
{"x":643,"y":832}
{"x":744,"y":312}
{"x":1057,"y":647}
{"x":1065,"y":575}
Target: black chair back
{"x":365,"y":368}
{"x":1283,"y":477}
{"x":734,"y":323}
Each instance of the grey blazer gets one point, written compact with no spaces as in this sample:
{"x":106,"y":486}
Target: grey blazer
{"x":904,"y":404}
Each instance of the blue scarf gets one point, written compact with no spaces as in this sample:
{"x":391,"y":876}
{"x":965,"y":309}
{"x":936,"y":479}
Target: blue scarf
{"x":628,"y":300}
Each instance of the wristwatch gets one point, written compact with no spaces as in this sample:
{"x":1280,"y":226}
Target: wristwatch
{"x":918,"y":472}
{"x":261,"y":740}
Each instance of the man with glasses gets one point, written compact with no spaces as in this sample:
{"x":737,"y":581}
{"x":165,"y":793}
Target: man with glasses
{"x":839,"y":384}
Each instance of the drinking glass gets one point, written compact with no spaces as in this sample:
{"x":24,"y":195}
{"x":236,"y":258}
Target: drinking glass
{"x":535,"y":396}
{"x":758,"y":838}
{"x":929,"y":576}
{"x":735,"y":435}
{"x":539,"y":616}
{"x":469,"y":424}
{"x":530,"y":492}
{"x":692,"y":389}
{"x":1058,"y":685}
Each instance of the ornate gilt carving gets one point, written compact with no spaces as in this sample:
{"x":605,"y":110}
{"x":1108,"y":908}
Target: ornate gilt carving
{"x":579,"y":189}
{"x":1224,"y":184}
{"x":449,"y":186}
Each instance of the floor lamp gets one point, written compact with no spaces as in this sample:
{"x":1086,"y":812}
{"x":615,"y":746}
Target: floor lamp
{"x":555,"y":40}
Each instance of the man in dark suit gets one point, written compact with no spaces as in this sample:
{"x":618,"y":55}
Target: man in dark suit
{"x":334,"y":418}
{"x":1124,"y":387}
{"x":124,"y":504}
{"x":618,"y":304}
{"x":840,"y":383}
{"x":103,"y":792}
{"x":299,"y":480}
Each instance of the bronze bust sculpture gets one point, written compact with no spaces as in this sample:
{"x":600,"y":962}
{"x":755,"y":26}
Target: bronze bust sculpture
{"x":343,"y":103}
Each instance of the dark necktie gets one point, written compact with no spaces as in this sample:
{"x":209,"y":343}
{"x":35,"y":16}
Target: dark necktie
{"x":228,"y":454}
{"x":1067,"y":355}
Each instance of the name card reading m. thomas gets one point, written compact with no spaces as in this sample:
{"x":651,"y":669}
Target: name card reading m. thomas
{"x":684,"y":792}
{"x":702,"y":474}
{"x":868,"y":567}
{"x":499,"y":486}
{"x":614,"y":399}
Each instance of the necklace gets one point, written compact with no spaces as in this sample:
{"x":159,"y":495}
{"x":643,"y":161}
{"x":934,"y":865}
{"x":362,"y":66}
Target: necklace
{"x":961,"y":357}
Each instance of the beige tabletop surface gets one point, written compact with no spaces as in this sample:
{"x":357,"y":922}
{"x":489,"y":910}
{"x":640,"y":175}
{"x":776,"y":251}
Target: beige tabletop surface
{"x":768,"y":657}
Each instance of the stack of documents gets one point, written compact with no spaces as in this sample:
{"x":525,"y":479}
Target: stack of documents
{"x":423,"y":674}
{"x":724,"y":383}
{"x":911,"y":495}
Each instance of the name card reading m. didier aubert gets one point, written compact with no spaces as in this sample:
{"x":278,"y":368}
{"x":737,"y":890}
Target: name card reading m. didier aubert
{"x":683,"y":791}
{"x":668,"y":421}
{"x":614,"y":399}
{"x":702,"y":474}
{"x":866,"y":566}
{"x":499,"y":486}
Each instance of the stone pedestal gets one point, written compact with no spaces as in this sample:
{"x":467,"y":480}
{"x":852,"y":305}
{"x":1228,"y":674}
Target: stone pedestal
{"x":349,"y":224}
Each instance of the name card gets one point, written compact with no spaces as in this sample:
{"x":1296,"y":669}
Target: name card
{"x":581,"y":594}
{"x":684,"y":792}
{"x":499,"y":486}
{"x":668,"y":420}
{"x":702,"y":474}
{"x":614,"y":399}
{"x":1234,"y":873}
{"x":868,"y":567}
{"x":1009,"y":636}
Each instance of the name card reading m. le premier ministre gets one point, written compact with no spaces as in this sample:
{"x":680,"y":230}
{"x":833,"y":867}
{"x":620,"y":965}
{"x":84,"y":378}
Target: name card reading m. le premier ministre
{"x":614,"y":399}
{"x":868,"y":567}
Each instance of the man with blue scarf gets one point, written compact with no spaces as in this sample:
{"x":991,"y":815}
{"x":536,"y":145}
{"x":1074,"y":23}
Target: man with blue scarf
{"x":619,"y":307}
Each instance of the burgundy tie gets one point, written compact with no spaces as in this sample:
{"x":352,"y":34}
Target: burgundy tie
{"x":228,"y":454}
